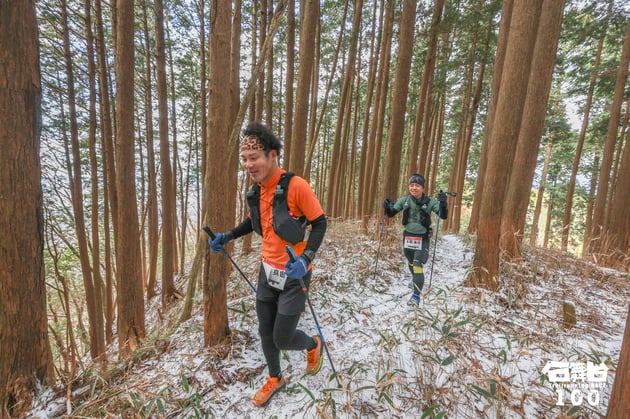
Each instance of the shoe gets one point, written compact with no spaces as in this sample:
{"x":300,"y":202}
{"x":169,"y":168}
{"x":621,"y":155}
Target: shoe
{"x":414,"y":300}
{"x":271,"y":387}
{"x":314,"y":357}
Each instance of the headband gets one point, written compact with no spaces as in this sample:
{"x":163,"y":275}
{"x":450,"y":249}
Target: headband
{"x":252,"y":142}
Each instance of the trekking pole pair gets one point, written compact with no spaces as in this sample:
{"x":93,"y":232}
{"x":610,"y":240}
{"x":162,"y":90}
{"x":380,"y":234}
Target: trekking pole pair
{"x":319,"y":330}
{"x":227,"y":255}
{"x":437,"y":232}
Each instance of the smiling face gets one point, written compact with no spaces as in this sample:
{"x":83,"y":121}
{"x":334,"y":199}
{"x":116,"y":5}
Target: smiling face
{"x":416,"y":190}
{"x":258,"y":165}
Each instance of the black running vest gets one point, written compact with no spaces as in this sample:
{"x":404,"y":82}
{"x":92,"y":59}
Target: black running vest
{"x":286,"y":226}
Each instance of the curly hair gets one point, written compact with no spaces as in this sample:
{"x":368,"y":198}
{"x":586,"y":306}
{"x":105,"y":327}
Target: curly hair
{"x":266,"y":137}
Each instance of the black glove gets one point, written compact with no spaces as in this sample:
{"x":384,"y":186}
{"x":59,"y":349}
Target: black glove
{"x":387,"y":203}
{"x":442,"y":197}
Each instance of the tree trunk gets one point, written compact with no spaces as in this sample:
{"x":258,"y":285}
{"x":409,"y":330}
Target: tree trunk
{"x":152,"y":193}
{"x":533,"y":234}
{"x":26,"y":359}
{"x":568,"y":208}
{"x":339,"y":153}
{"x":305,"y":71}
{"x":619,"y":404}
{"x":220,"y":195}
{"x":110,"y":207}
{"x":599,"y":208}
{"x":497,"y":72}
{"x":131,"y":328}
{"x":97,"y":344}
{"x":169,"y":292}
{"x":544,"y":60}
{"x":290,"y":78}
{"x":399,"y":100}
{"x":423,"y":109}
{"x":509,"y":113}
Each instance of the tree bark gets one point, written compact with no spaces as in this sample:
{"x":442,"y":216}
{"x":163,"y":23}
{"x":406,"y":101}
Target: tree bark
{"x":509,"y":113}
{"x":619,"y":404}
{"x":399,"y":100}
{"x":26,"y":355}
{"x":532,"y":125}
{"x":599,"y":209}
{"x":131,"y":327}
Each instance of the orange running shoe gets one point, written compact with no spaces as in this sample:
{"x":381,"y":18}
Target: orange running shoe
{"x":314,"y":357}
{"x":271,"y":387}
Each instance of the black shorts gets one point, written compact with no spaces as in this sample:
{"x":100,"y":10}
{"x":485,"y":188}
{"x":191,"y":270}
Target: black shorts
{"x":291,"y":300}
{"x":420,"y":256}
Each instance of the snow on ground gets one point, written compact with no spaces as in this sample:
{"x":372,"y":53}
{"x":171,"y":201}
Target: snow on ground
{"x":465,"y":353}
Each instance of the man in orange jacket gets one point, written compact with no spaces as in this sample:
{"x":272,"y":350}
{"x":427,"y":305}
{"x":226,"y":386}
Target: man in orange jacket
{"x":284,"y":211}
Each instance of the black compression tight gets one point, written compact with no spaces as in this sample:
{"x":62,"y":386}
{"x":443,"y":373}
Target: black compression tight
{"x":279,"y":332}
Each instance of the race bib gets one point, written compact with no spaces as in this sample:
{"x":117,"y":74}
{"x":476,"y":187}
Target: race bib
{"x":276,"y":277}
{"x":413,"y":243}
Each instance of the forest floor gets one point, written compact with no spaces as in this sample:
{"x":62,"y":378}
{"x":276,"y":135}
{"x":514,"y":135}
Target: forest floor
{"x":464,"y":353}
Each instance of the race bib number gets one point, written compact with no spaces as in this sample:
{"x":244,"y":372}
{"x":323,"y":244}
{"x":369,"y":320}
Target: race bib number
{"x":276,"y":277}
{"x":413,"y":243}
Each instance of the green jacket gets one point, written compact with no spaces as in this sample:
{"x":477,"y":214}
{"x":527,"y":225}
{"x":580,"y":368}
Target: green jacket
{"x":417,"y":213}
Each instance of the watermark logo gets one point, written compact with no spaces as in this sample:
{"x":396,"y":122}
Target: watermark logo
{"x":580,"y":380}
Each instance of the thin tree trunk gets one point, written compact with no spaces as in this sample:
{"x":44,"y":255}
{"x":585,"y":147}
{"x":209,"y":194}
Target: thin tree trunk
{"x":568,"y":208}
{"x":131,"y":327}
{"x":533,"y":234}
{"x":75,"y":167}
{"x":152,"y":193}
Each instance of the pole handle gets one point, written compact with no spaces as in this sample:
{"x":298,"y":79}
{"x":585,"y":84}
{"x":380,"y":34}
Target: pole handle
{"x":291,"y":253}
{"x":210,"y":233}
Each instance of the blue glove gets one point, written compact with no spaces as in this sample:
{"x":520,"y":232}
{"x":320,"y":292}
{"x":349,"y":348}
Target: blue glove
{"x":219,"y":240}
{"x":296,"y":269}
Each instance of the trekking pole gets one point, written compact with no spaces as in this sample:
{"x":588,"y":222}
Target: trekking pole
{"x":437,"y":232}
{"x":380,"y":240}
{"x":227,"y":255}
{"x":319,"y":329}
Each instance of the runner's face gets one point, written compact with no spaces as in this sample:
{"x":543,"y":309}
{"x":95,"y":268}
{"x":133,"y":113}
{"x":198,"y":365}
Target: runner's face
{"x":416,"y":190}
{"x":258,"y":165}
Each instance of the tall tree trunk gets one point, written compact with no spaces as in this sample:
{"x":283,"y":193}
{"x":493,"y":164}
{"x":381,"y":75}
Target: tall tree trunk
{"x":131,"y":328}
{"x":220,"y":195}
{"x":424,"y":100}
{"x":94,"y":184}
{"x":26,"y":355}
{"x":290,"y":78}
{"x":367,"y":146}
{"x":544,"y":60}
{"x":169,"y":292}
{"x":152,"y":193}
{"x":76,"y":180}
{"x":399,"y":99}
{"x":599,"y":208}
{"x":339,"y":154}
{"x":497,"y":73}
{"x":109,"y":172}
{"x":305,"y":71}
{"x":378,"y":120}
{"x":509,"y":114}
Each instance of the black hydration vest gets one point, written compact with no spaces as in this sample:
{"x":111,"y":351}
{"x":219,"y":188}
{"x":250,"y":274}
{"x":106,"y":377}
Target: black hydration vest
{"x":286,"y":226}
{"x":425,"y":216}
